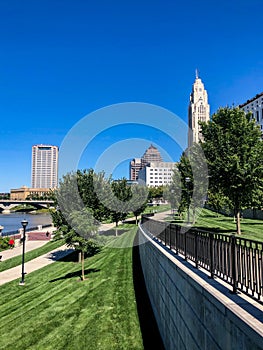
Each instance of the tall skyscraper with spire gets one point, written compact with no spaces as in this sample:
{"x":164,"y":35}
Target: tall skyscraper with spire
{"x":198,"y":110}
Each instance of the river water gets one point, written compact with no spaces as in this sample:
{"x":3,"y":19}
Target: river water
{"x":12,"y":221}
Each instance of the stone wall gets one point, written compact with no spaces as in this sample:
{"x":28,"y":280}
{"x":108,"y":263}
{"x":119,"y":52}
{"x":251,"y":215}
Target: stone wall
{"x":193,"y":311}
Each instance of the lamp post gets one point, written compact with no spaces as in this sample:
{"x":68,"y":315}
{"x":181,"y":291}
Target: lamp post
{"x":1,"y":229}
{"x":187,"y":180}
{"x":24,"y":224}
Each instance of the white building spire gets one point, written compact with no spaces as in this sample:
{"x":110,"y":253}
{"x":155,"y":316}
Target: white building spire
{"x":199,"y":110}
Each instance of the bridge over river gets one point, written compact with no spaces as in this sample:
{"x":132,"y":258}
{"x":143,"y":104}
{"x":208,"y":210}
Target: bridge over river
{"x":7,"y":204}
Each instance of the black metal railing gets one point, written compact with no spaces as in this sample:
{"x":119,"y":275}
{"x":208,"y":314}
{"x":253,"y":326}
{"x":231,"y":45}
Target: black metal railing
{"x":235,"y":260}
{"x":15,"y":232}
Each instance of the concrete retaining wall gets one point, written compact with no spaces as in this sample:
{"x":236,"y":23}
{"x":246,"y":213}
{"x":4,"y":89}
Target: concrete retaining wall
{"x":191,"y":310}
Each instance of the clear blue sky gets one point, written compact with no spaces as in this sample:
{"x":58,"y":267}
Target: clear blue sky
{"x":62,"y":59}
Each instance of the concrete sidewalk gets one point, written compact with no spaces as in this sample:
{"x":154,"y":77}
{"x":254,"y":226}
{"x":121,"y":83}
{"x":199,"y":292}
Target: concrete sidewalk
{"x":30,"y":245}
{"x":37,"y":263}
{"x":51,"y":257}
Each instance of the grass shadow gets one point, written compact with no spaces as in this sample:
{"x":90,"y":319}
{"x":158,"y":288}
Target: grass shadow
{"x":149,"y":329}
{"x":74,"y":274}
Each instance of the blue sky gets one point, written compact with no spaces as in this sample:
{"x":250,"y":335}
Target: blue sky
{"x":61,"y":60}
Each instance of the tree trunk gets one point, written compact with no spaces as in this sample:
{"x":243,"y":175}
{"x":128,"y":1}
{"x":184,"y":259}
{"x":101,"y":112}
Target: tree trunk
{"x":238,"y":222}
{"x":136,"y":219}
{"x":82,"y":266}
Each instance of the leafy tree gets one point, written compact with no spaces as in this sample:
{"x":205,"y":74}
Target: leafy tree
{"x":234,"y":150}
{"x":155,"y":193}
{"x":186,"y":173}
{"x":84,"y":228}
{"x":119,"y":200}
{"x":217,"y":200}
{"x":90,"y":186}
{"x":139,"y":200}
{"x":194,"y":181}
{"x":173,"y":192}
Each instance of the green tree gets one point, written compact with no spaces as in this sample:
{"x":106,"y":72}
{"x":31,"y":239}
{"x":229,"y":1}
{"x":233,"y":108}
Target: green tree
{"x":119,"y":201}
{"x":84,"y":229}
{"x":155,"y":193}
{"x":173,"y":192}
{"x":139,"y":200}
{"x":233,"y":147}
{"x":90,"y":186}
{"x":217,"y":200}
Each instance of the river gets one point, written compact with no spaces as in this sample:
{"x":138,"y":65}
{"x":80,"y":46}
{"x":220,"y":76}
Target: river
{"x":12,"y":221}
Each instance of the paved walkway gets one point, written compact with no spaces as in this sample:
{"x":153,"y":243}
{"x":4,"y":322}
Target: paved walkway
{"x":46,"y":259}
{"x":37,"y":263}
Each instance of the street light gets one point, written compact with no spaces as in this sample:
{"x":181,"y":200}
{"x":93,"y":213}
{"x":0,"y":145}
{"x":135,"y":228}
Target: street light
{"x":187,"y":180}
{"x":24,"y":224}
{"x":1,"y":229}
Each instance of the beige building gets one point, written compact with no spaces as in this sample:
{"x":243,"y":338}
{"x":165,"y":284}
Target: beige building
{"x":151,"y":155}
{"x":25,"y":192}
{"x":199,"y":110}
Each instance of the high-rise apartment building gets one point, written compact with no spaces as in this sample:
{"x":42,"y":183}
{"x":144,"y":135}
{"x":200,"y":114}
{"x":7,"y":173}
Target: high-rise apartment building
{"x":44,"y":166}
{"x":255,"y":106}
{"x":199,"y":110}
{"x":135,"y":167}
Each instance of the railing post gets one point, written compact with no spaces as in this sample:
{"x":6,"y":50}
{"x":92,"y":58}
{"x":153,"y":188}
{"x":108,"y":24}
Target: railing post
{"x":177,"y":228}
{"x":185,"y":246}
{"x":165,"y":232}
{"x":170,"y":236}
{"x":196,"y":249}
{"x":233,"y":263}
{"x":211,"y":253}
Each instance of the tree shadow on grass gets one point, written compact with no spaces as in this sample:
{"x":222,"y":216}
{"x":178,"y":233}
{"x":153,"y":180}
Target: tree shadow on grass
{"x":112,"y":232}
{"x":149,"y":329}
{"x":75,"y":274}
{"x":213,"y":229}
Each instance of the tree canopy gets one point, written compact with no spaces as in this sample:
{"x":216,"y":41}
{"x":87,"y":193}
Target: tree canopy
{"x":234,"y":150}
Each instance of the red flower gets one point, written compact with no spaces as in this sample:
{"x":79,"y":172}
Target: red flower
{"x":11,"y":242}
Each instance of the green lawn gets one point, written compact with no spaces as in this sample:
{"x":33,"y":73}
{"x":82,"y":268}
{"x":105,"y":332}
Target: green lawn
{"x":211,"y":221}
{"x":15,"y":261}
{"x":55,"y":310}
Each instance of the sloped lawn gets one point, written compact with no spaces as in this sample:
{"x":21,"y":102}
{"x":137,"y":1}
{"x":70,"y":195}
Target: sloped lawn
{"x":55,"y":310}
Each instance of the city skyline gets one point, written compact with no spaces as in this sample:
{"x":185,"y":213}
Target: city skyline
{"x":62,"y":60}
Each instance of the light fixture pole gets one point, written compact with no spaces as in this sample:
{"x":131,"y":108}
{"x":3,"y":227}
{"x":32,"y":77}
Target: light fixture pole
{"x":24,"y":224}
{"x":187,"y":180}
{"x":1,"y":229}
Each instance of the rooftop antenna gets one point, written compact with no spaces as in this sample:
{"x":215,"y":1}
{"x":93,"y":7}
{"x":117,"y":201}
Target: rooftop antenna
{"x":196,"y":73}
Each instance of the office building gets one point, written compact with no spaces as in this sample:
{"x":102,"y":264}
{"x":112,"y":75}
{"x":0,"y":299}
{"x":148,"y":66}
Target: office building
{"x":44,"y":166}
{"x":151,"y":155}
{"x":156,"y":174}
{"x":198,"y":110}
{"x":255,"y":106}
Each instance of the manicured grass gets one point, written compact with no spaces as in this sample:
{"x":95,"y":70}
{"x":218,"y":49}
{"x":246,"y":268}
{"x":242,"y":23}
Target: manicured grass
{"x":15,"y":261}
{"x":55,"y":310}
{"x":211,"y":221}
